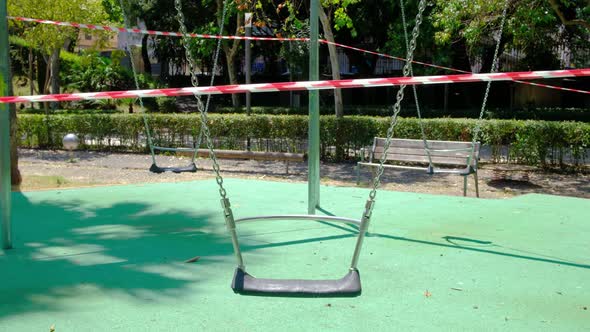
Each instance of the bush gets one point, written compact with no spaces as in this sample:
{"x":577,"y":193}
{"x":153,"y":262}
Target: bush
{"x":69,"y":111}
{"x":530,"y":142}
{"x":549,"y":114}
{"x":166,"y":104}
{"x":92,"y":72}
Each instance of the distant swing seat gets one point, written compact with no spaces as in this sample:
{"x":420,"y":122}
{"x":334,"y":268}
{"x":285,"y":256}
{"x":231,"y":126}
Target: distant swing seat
{"x":453,"y":155}
{"x":190,"y":168}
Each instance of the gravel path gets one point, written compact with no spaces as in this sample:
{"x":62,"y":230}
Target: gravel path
{"x":98,"y":168}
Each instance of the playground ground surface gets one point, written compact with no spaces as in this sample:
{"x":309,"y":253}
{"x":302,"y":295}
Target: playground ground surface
{"x":43,"y":169}
{"x":114,"y":258}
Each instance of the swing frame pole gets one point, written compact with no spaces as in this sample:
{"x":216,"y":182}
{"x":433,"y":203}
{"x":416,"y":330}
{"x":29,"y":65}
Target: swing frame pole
{"x":5,"y":87}
{"x":313,"y":153}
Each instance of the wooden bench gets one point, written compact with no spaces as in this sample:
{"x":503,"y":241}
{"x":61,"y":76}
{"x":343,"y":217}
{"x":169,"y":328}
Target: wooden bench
{"x":249,"y":155}
{"x":410,"y":154}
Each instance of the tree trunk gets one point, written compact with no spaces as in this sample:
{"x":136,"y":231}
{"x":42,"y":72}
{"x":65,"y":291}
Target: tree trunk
{"x":147,"y":66}
{"x":459,"y":56}
{"x":41,"y":73}
{"x":338,"y":105}
{"x":231,"y":71}
{"x":15,"y":176}
{"x":230,"y":53}
{"x":335,"y":66}
{"x":54,"y":76}
{"x":54,"y":71}
{"x":30,"y":75}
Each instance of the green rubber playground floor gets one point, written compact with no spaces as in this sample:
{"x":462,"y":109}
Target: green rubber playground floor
{"x":113,"y":259}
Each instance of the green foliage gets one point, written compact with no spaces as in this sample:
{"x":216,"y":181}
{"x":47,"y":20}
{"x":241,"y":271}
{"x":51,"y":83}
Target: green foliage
{"x":69,"y":111}
{"x":532,"y":26}
{"x":113,"y":10}
{"x":47,"y":38}
{"x":92,"y":72}
{"x":530,"y":142}
{"x":166,"y":104}
{"x":341,"y":19}
{"x":472,"y":20}
{"x":200,"y":17}
{"x":552,"y":114}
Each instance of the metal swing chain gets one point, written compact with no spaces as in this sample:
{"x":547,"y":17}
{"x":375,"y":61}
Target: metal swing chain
{"x":414,"y":89}
{"x":399,"y":98}
{"x":495,"y":64}
{"x":189,"y":58}
{"x":134,"y":70}
{"x":195,"y":82}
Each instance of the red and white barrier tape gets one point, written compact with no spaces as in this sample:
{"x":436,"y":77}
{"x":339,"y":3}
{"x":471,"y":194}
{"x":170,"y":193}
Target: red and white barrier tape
{"x":555,"y":87}
{"x":448,"y":68}
{"x":303,"y":85}
{"x":392,"y":57}
{"x":207,"y":36}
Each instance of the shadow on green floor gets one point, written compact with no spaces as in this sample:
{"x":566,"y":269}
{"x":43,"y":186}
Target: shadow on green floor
{"x":454,"y":245}
{"x":107,"y":248}
{"x":132,"y":249}
{"x":125,"y":248}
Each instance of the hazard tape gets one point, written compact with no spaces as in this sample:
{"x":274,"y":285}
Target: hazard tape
{"x":208,"y":36}
{"x":303,"y":85}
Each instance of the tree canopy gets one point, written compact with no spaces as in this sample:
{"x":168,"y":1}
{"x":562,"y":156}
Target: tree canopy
{"x":47,"y":38}
{"x":533,"y":27}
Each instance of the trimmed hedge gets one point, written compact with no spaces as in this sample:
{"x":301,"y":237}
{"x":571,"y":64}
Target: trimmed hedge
{"x":529,"y":142}
{"x":549,"y":114}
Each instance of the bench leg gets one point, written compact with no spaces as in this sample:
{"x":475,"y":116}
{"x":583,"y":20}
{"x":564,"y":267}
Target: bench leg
{"x":358,"y":174}
{"x":464,"y":185}
{"x":287,"y":167}
{"x":476,"y":185}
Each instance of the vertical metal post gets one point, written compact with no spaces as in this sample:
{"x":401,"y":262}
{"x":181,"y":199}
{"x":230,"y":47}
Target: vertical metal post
{"x":5,"y":87}
{"x":365,"y":220}
{"x":230,"y":223}
{"x":313,"y":152}
{"x":248,"y":66}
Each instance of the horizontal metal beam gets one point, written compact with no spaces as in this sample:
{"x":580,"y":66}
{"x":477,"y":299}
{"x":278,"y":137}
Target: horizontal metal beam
{"x":310,"y":217}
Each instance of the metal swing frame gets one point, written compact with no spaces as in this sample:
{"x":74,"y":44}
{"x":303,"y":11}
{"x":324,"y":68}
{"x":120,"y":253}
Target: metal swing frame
{"x":244,"y":283}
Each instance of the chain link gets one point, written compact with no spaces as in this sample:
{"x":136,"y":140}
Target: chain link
{"x":494,"y":69}
{"x":399,"y":98}
{"x":195,"y":81}
{"x":415,"y":89}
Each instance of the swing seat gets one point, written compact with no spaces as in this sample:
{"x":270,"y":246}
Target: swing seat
{"x":457,"y":171}
{"x":347,"y":286}
{"x":191,"y":168}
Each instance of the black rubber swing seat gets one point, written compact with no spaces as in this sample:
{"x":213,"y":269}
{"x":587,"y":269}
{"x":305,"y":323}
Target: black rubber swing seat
{"x":192,"y":168}
{"x":347,"y":286}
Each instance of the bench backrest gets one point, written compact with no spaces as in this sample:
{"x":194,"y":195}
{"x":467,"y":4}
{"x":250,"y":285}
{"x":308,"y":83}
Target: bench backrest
{"x":412,"y":151}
